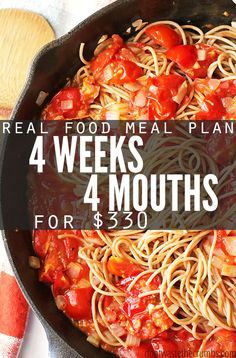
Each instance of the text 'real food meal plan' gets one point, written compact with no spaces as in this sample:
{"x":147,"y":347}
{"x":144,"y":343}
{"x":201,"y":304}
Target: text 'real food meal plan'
{"x":138,"y":291}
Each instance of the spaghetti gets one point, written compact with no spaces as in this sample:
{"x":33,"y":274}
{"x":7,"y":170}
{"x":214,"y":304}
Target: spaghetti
{"x":159,"y":291}
{"x":204,"y":62}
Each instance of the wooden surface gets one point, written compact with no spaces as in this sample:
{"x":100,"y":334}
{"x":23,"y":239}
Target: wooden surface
{"x":22,"y":34}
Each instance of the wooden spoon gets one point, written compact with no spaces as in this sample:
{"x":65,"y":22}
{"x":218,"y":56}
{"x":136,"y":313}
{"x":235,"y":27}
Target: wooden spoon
{"x":22,"y":34}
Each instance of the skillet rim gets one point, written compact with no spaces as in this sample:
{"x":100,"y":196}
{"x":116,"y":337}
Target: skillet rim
{"x":29,"y":80}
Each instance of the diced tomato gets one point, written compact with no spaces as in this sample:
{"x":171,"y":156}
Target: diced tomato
{"x":221,"y":342}
{"x":112,"y":310}
{"x":162,"y":108}
{"x":161,"y":96}
{"x":144,"y":319}
{"x":141,"y":285}
{"x":41,"y":241}
{"x":206,"y":85}
{"x":227,"y":340}
{"x":188,"y":59}
{"x":72,"y":246}
{"x":78,"y":302}
{"x":211,"y":109}
{"x":143,"y":351}
{"x":161,"y":320}
{"x":221,"y":148}
{"x":211,"y":55}
{"x":115,"y":64}
{"x":85,"y":271}
{"x":89,"y":90}
{"x":184,"y":55}
{"x":227,"y":88}
{"x":140,"y":315}
{"x":119,"y":72}
{"x":163,"y":35}
{"x":213,"y":347}
{"x":93,"y":236}
{"x":61,"y":284}
{"x":220,"y":235}
{"x":126,"y":54}
{"x":134,"y":305}
{"x":227,"y":92}
{"x":51,"y":266}
{"x":122,"y":267}
{"x":98,"y":64}
{"x":164,"y":347}
{"x":54,"y":261}
{"x":172,"y":82}
{"x":215,"y":86}
{"x":59,"y":253}
{"x":186,"y":341}
{"x":65,"y":103}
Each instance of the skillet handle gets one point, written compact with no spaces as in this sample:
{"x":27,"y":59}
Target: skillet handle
{"x":58,"y":348}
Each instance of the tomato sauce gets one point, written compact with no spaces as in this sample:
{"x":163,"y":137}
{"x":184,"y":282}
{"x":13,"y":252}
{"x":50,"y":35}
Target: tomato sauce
{"x":158,"y":97}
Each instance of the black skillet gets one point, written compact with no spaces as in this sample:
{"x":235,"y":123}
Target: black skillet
{"x":55,"y":63}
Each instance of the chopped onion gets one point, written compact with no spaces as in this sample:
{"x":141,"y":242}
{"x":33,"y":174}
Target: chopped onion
{"x":117,"y":329}
{"x":60,"y":302}
{"x":181,"y":93}
{"x":140,"y":99}
{"x":230,"y":244}
{"x":137,"y":23}
{"x":112,"y":115}
{"x":196,"y":66}
{"x":132,"y":340}
{"x":132,"y":86}
{"x":227,"y":102}
{"x":220,"y":253}
{"x":93,"y":340}
{"x":96,"y":280}
{"x":83,"y":283}
{"x":150,"y":308}
{"x":214,"y":83}
{"x":233,"y":24}
{"x":41,"y":97}
{"x":107,"y":74}
{"x":34,"y":262}
{"x":153,"y":89}
{"x":217,"y":262}
{"x":74,"y":270}
{"x":228,"y":270}
{"x":201,"y":55}
{"x":67,"y":104}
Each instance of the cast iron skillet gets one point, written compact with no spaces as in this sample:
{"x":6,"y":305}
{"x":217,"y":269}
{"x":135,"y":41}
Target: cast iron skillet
{"x":55,"y":63}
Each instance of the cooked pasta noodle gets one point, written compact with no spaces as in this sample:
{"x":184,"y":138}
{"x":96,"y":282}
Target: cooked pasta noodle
{"x":204,"y":299}
{"x":145,"y":284}
{"x":153,"y":61}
